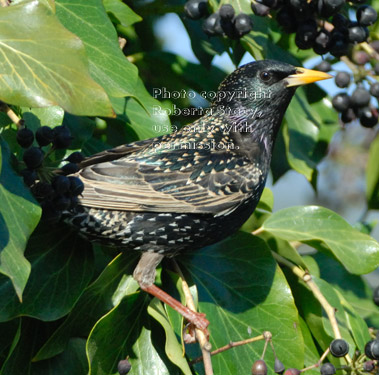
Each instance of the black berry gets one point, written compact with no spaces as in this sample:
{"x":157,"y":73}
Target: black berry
{"x":287,"y":20}
{"x":44,"y":135}
{"x":76,"y":185}
{"x":25,"y":137}
{"x":62,"y":203}
{"x":374,"y":89}
{"x":42,"y":190}
{"x":212,"y":25}
{"x":259,"y":367}
{"x":368,"y":366}
{"x":327,"y":369}
{"x":372,"y":349}
{"x":342,"y":79}
{"x":124,"y":367}
{"x":227,"y":11}
{"x":243,"y":24}
{"x":306,"y":34}
{"x":29,"y":176}
{"x":61,"y":184}
{"x":347,"y":116}
{"x":339,"y":348}
{"x":360,"y":97}
{"x":196,"y":9}
{"x":357,"y":33}
{"x":62,"y":137}
{"x":260,"y":9}
{"x":366,"y":15}
{"x":75,"y":157}
{"x":324,"y":66}
{"x":33,"y":157}
{"x":341,"y":102}
{"x":70,"y":168}
{"x":278,"y":366}
{"x":376,"y":296}
{"x":367,"y":117}
{"x":360,"y":57}
{"x":330,"y":7}
{"x":322,"y":42}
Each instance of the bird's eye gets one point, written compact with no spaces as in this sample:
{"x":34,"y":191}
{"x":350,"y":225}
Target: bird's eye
{"x":265,"y":76}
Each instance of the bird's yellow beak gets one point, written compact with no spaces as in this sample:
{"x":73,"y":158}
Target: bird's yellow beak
{"x":304,"y":76}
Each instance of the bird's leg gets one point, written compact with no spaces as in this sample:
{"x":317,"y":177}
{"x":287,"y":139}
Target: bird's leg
{"x":144,"y":274}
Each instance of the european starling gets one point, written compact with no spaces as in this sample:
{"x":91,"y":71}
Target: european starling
{"x":192,"y":188}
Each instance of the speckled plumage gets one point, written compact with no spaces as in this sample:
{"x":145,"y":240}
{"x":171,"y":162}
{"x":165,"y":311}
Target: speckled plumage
{"x":194,"y":187}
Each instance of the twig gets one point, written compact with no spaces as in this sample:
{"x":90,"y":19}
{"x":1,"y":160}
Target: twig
{"x":307,"y":278}
{"x":200,"y":336}
{"x":229,"y":346}
{"x":318,"y":362}
{"x":10,"y":113}
{"x":370,"y":50}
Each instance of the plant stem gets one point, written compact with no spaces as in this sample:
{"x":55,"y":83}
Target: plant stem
{"x":10,"y":113}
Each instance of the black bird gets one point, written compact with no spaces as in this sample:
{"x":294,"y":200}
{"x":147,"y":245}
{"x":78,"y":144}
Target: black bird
{"x":192,"y":188}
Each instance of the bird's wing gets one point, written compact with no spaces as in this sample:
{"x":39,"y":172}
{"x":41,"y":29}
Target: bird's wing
{"x":197,"y":181}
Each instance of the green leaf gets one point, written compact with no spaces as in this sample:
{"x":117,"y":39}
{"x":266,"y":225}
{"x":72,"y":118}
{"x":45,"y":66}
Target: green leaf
{"x":121,"y":12}
{"x":243,"y":293}
{"x":358,"y":252}
{"x":108,"y":65}
{"x":98,"y":299}
{"x":173,"y":349}
{"x":61,"y":268}
{"x":15,"y":225}
{"x":147,"y":121}
{"x":44,"y":64}
{"x":311,"y":355}
{"x":372,"y":176}
{"x":119,"y":333}
{"x":301,"y":134}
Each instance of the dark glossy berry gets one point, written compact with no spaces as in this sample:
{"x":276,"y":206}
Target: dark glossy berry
{"x":76,"y":185}
{"x":44,"y":135}
{"x":348,"y":116}
{"x":374,"y":89}
{"x":360,"y":97}
{"x":368,"y":118}
{"x":60,"y":184}
{"x":272,"y":4}
{"x":243,"y":24}
{"x":29,"y":176}
{"x":368,"y":366}
{"x":259,"y":367}
{"x":339,"y":21}
{"x":322,"y":42}
{"x":301,"y":9}
{"x":306,"y":34}
{"x":260,"y":9}
{"x":124,"y":367}
{"x":74,"y":202}
{"x":287,"y":20}
{"x":62,"y":203}
{"x":50,"y":213}
{"x":339,"y":348}
{"x":33,"y":157}
{"x":360,"y":57}
{"x":227,"y":11}
{"x":341,"y":102}
{"x":376,"y":296}
{"x":212,"y":26}
{"x":292,"y":371}
{"x":372,"y":349}
{"x":278,"y":366}
{"x":70,"y":168}
{"x":324,"y":66}
{"x":42,"y":190}
{"x":196,"y":9}
{"x":62,"y":137}
{"x":366,"y":15}
{"x":75,"y":157}
{"x":327,"y":369}
{"x":342,"y":79}
{"x":357,"y":33}
{"x":330,"y":7}
{"x":25,"y":137}
{"x":339,"y":45}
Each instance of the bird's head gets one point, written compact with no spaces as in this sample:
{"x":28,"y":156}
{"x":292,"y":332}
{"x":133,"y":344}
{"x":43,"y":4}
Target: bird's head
{"x":257,"y":94}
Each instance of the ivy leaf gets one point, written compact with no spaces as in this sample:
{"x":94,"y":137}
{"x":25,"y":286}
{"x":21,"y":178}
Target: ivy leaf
{"x":64,"y":262}
{"x":108,"y":65}
{"x":372,"y":176}
{"x":15,"y":226}
{"x":121,"y":12}
{"x":358,"y":252}
{"x":44,"y":64}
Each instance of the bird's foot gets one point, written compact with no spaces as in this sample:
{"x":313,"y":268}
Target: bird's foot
{"x":201,"y":323}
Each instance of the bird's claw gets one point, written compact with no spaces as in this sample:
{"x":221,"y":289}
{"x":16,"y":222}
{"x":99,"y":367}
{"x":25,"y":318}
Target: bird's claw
{"x":198,"y":322}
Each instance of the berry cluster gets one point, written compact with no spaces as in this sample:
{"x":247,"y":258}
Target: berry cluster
{"x":318,"y":24}
{"x":224,"y":22}
{"x":55,"y":192}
